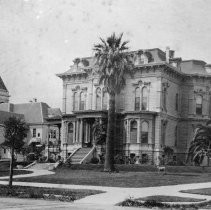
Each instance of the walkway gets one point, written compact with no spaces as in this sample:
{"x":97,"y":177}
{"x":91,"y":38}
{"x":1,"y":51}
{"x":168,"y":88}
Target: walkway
{"x":115,"y":195}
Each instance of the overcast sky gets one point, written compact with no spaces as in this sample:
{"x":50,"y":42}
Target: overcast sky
{"x":39,"y":38}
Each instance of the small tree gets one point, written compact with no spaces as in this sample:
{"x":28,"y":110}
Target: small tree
{"x":200,"y":147}
{"x":15,"y":132}
{"x":168,"y":152}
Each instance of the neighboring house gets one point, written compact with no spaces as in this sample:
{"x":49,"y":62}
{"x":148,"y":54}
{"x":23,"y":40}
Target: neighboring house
{"x":160,"y":106}
{"x":4,"y":152}
{"x":36,"y":115}
{"x":4,"y":94}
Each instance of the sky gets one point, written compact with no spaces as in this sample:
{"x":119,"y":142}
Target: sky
{"x":40,"y":38}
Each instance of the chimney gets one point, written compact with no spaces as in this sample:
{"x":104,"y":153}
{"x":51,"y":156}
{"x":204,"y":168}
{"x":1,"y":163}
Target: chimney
{"x":167,"y":54}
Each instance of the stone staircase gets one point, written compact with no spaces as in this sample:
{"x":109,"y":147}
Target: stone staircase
{"x":79,"y":155}
{"x":43,"y":166}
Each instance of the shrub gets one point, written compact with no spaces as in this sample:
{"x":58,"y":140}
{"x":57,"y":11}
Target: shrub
{"x":94,"y":160}
{"x":153,"y":203}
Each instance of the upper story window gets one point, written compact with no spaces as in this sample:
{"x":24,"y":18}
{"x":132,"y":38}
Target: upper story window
{"x":144,"y":132}
{"x":98,"y":98}
{"x":177,"y":102}
{"x":82,"y":100}
{"x":105,"y":99}
{"x":199,"y":105}
{"x":75,"y":101}
{"x":137,"y":99}
{"x":144,"y":98}
{"x":34,"y":132}
{"x":165,"y":86}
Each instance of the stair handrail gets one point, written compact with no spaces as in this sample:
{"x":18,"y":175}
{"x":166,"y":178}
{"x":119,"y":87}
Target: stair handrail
{"x":92,"y":149}
{"x":31,"y":164}
{"x":72,"y":154}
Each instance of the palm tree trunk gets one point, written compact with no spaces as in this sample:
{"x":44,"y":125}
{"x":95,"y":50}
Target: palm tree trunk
{"x":109,"y":157}
{"x":11,"y":167}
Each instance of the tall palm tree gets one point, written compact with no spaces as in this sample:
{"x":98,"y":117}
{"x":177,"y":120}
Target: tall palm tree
{"x":114,"y":63}
{"x":201,"y":144}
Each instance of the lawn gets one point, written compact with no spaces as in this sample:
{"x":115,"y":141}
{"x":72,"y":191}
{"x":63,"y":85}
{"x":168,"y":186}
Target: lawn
{"x":16,"y":172}
{"x":45,"y":193}
{"x":204,"y":191}
{"x":121,"y":179}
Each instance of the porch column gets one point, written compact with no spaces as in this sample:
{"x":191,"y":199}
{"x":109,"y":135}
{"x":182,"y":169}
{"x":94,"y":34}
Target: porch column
{"x":128,"y":131}
{"x":77,"y":130}
{"x":48,"y":141}
{"x":81,"y":130}
{"x":86,"y":139}
{"x":74,"y":132}
{"x":138,"y":130}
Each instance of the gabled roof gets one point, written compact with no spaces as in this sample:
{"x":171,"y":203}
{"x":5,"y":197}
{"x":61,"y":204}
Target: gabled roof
{"x":2,"y":85}
{"x":33,"y":112}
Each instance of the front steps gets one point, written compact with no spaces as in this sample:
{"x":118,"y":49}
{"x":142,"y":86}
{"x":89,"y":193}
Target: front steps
{"x":79,"y":155}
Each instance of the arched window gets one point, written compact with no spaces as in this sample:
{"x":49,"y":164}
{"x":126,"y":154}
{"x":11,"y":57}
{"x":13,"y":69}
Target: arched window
{"x":198,"y":105}
{"x":133,"y":132}
{"x":70,"y":133}
{"x":144,"y":98}
{"x":75,"y":101}
{"x":144,"y":132}
{"x":105,"y":99}
{"x":98,"y":98}
{"x":82,"y":101}
{"x":142,"y":57}
{"x":137,"y":99}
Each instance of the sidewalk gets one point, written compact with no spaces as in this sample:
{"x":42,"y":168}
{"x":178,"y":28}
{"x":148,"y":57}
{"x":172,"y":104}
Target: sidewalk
{"x":115,"y":195}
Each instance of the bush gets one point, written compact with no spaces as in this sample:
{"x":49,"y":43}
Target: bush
{"x":94,"y":160}
{"x":153,"y":203}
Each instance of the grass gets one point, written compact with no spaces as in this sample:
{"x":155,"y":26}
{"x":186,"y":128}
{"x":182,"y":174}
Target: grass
{"x":203,"y":191}
{"x":163,"y":198}
{"x":121,"y":179}
{"x":16,"y":172}
{"x":45,"y":193}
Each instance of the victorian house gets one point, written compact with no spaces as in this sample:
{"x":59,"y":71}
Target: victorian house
{"x":161,"y":105}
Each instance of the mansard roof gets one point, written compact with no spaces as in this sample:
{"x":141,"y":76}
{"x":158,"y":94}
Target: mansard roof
{"x":157,"y":57}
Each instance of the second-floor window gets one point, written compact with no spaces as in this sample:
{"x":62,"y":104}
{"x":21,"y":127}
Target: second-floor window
{"x":144,"y":98}
{"x":137,"y":99}
{"x":105,"y":99}
{"x":34,"y":132}
{"x":82,"y":100}
{"x":98,"y":98}
{"x":75,"y":101}
{"x":199,"y":105}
